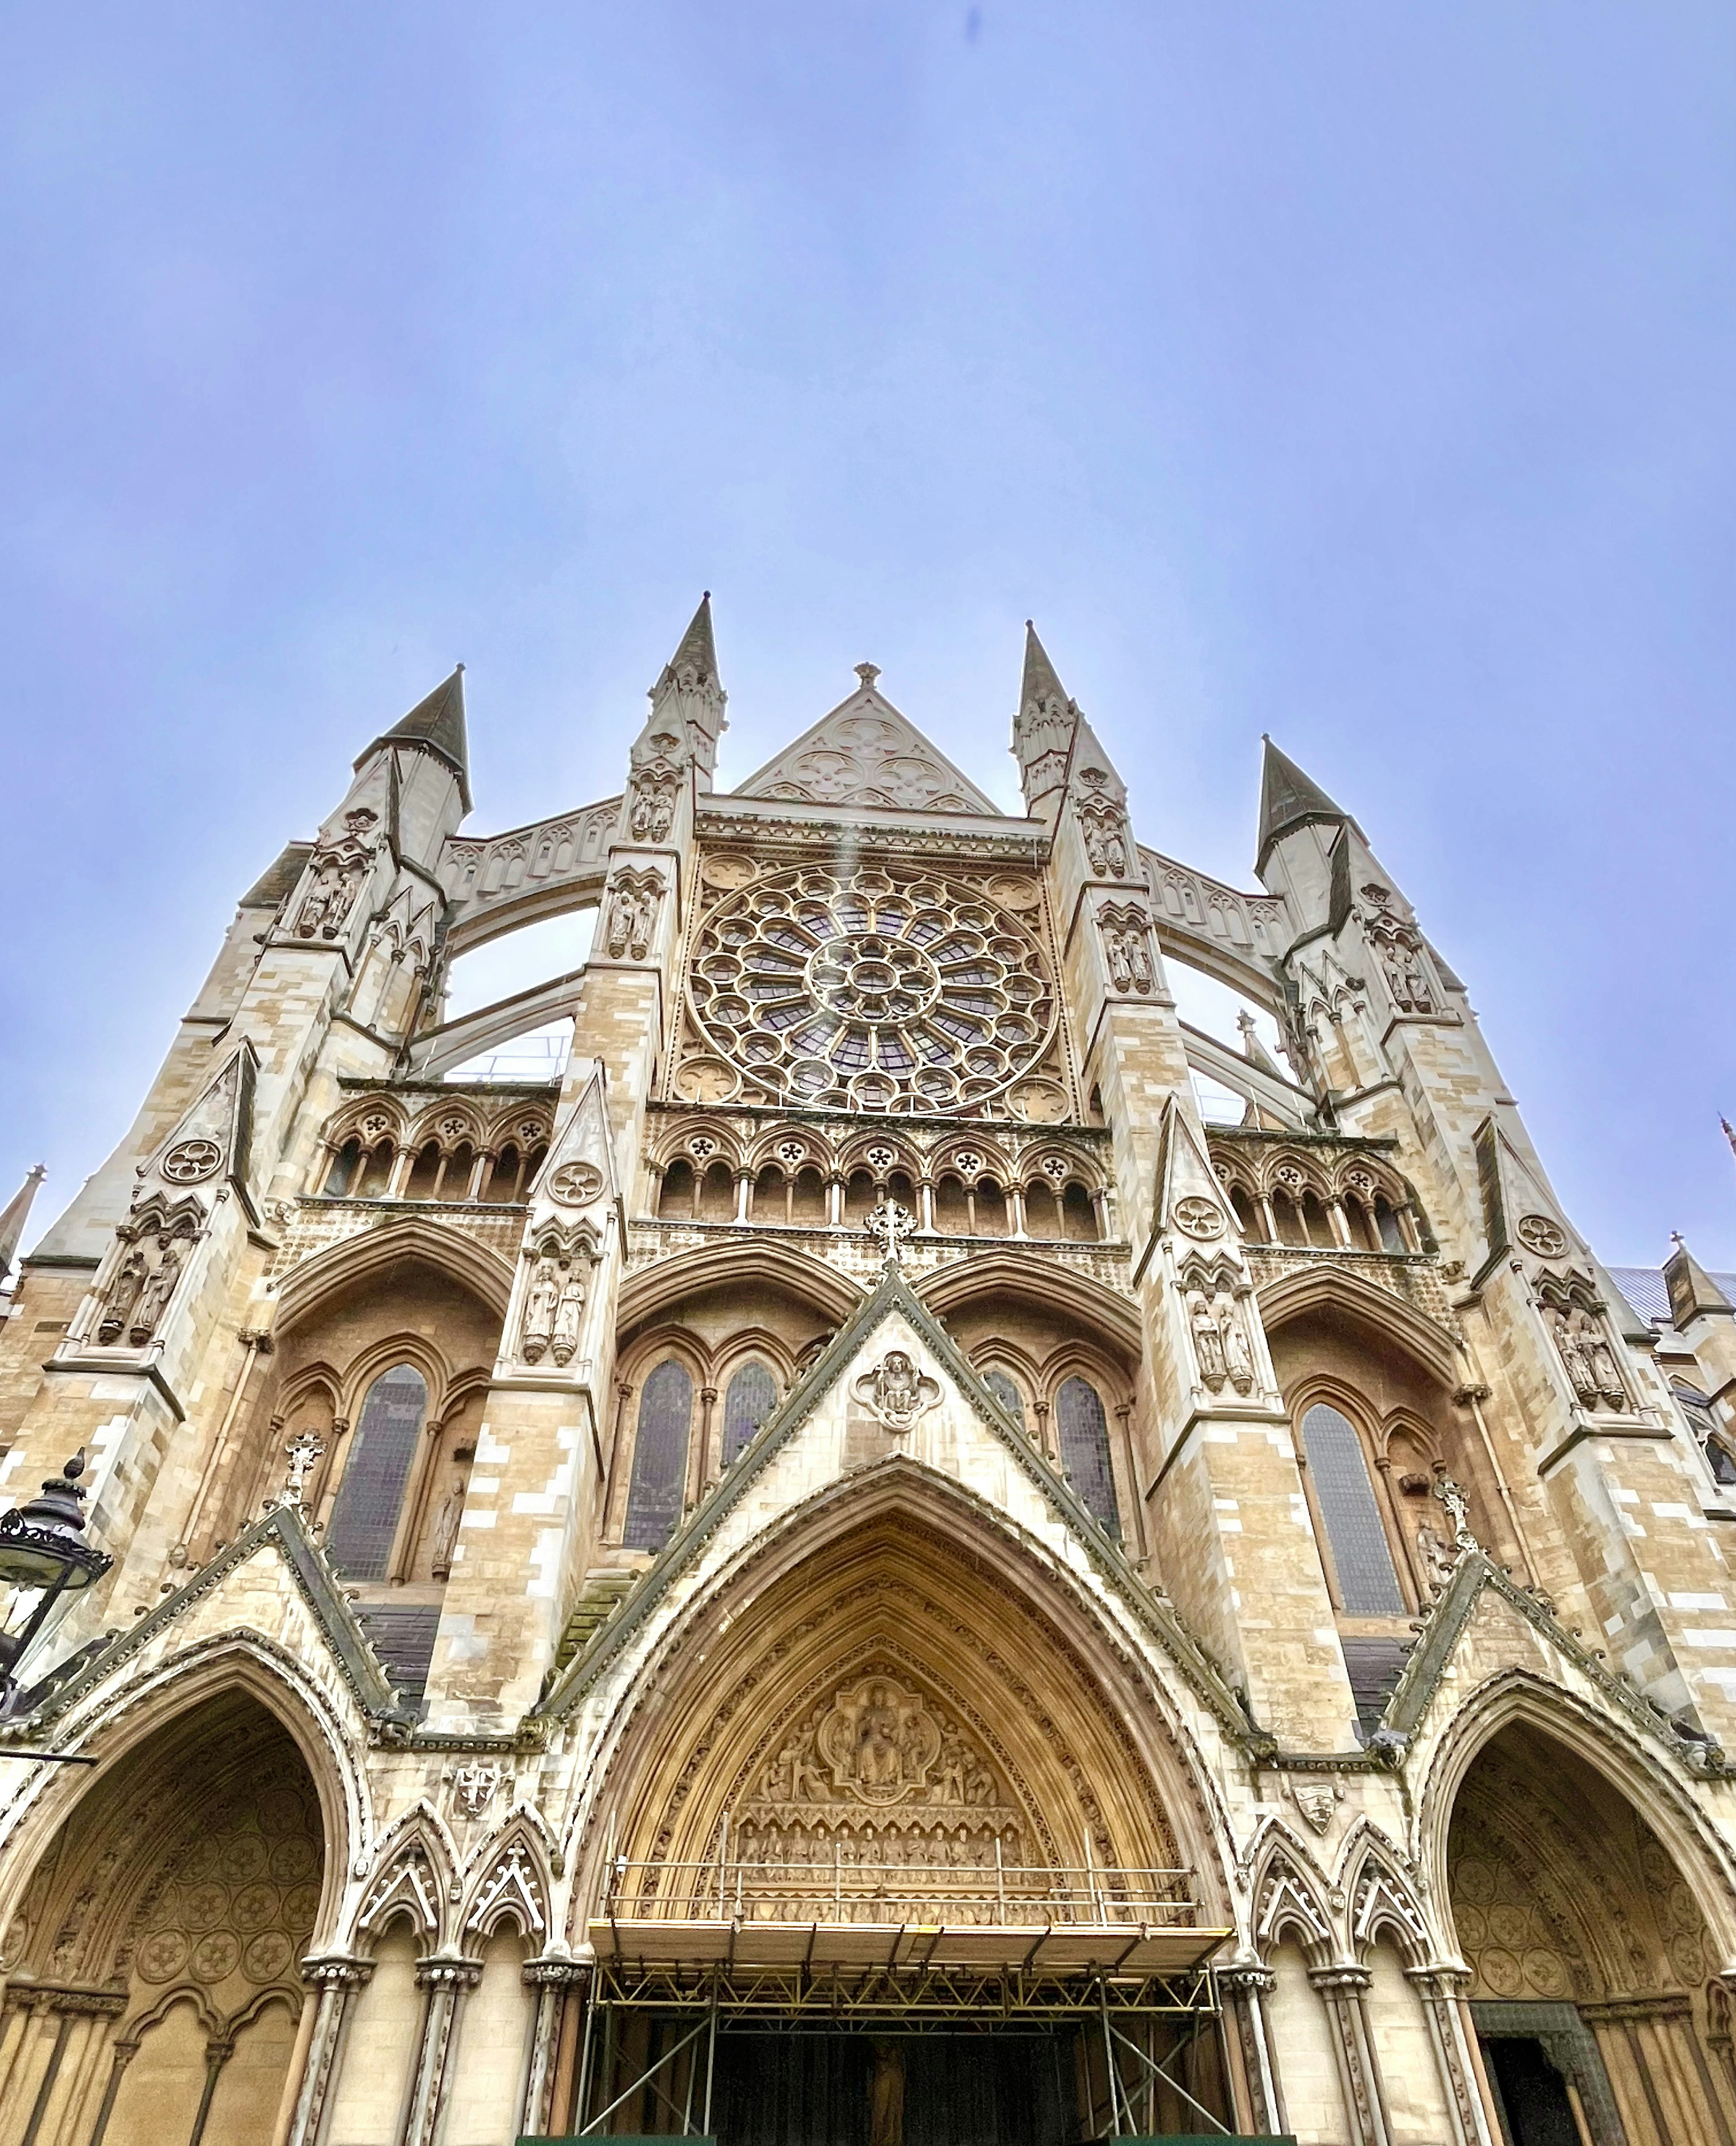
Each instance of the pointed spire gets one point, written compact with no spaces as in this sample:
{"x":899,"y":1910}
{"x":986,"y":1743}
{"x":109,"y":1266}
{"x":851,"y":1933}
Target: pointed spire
{"x":437,"y":723}
{"x":687,"y":686}
{"x":1289,"y":799}
{"x":1046,"y":726}
{"x":13,"y":1216}
{"x":1692,"y":1293}
{"x":1041,"y":679}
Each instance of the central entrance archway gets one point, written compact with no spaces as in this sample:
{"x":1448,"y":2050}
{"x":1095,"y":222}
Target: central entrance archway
{"x":883,"y":1858}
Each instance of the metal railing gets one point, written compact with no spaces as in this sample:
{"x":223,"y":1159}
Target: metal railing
{"x":849,"y":1888}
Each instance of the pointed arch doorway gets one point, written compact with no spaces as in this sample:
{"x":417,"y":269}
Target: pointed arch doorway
{"x":883,"y":1857}
{"x":1600,"y":2014}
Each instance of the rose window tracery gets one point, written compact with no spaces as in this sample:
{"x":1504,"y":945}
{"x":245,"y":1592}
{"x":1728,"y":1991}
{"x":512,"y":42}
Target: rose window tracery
{"x":871,"y":991}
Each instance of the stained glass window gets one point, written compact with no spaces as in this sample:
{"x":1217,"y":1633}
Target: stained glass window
{"x":1368,"y":1586}
{"x":660,"y":1458}
{"x":1082,"y":1431}
{"x":751,"y":1398}
{"x":366,"y":1517}
{"x":1001,"y":1384}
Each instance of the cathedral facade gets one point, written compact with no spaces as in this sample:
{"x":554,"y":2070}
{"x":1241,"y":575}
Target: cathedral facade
{"x":851,"y":1567}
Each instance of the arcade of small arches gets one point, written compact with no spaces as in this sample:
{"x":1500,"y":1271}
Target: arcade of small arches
{"x":787,"y":1177}
{"x":458,"y":1147}
{"x":1317,"y":1197}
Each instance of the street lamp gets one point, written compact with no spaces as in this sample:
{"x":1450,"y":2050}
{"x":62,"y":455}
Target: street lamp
{"x":41,"y":1549}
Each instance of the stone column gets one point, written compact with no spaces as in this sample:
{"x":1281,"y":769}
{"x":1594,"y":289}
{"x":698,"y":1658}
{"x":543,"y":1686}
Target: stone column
{"x":1345,"y":1990}
{"x":336,"y":1980}
{"x":1442,"y":1993}
{"x":446,"y":1981}
{"x":1247,"y":1988}
{"x":551,"y":1979}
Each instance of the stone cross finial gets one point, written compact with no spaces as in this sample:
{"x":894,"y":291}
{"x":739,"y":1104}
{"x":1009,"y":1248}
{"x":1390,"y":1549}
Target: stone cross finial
{"x":889,"y":1222}
{"x":303,"y":1451}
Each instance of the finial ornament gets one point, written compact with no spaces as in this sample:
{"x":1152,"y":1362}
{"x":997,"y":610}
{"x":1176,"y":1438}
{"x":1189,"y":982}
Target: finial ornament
{"x":302,"y":1452}
{"x":867,"y":672}
{"x":889,"y":1222}
{"x":1458,"y":1508}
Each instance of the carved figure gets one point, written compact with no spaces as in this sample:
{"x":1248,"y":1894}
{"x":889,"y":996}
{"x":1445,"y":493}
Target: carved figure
{"x":153,"y":1299}
{"x":1106,"y":842}
{"x":885,"y":2108}
{"x":303,"y":1451}
{"x":897,"y":1392}
{"x":446,"y":1529}
{"x":880,"y":1741}
{"x":1606,"y":1374}
{"x":541,"y":1301}
{"x":1129,"y":957}
{"x":1439,"y":1562}
{"x":1237,"y":1356}
{"x":566,"y":1337}
{"x":129,"y":1279}
{"x":633,"y":915}
{"x":1208,"y":1341}
{"x":652,"y":809}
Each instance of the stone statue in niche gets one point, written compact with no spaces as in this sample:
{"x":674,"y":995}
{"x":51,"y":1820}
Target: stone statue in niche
{"x":632,"y":919}
{"x":542,"y":1300}
{"x":652,"y":809}
{"x":129,"y":1279}
{"x":565,"y":1338}
{"x":1127,"y":951}
{"x":1208,"y":1341}
{"x":446,"y":1529}
{"x":1587,"y":1357}
{"x":153,"y":1299}
{"x":1237,"y":1356}
{"x":896,"y":1392}
{"x":1105,"y":842}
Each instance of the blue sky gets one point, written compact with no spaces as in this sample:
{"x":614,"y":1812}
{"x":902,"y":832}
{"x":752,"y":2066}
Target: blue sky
{"x":1361,"y":373}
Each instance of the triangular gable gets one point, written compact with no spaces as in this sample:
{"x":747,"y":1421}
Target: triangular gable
{"x":865,"y":751}
{"x":892,"y":1300}
{"x":578,"y":1175}
{"x":285,"y":1529}
{"x":1444,"y":1626}
{"x":211,"y":1142}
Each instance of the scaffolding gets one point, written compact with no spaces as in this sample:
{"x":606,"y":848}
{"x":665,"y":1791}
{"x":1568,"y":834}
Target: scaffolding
{"x":748,"y":1945}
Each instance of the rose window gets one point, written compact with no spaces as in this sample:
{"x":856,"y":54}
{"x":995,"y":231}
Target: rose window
{"x":871,"y":991}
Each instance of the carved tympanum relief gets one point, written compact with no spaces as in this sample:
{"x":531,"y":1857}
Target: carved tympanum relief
{"x":880,"y":990}
{"x":878,"y":1775}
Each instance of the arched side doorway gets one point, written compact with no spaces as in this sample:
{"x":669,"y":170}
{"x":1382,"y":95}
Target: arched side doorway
{"x":1594,"y":1990}
{"x":887,"y":1753}
{"x":153,"y":1990}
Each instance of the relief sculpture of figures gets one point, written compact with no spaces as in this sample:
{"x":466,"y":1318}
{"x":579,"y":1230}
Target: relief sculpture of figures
{"x":897,"y":1392}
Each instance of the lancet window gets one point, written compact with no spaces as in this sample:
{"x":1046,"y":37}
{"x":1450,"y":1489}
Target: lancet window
{"x":1363,"y":1578}
{"x":657,"y":1492}
{"x":365,"y":1519}
{"x":1082,"y":1433}
{"x":748,"y":1401}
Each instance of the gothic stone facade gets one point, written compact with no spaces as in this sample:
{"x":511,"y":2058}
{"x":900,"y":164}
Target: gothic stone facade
{"x":857,"y":1494}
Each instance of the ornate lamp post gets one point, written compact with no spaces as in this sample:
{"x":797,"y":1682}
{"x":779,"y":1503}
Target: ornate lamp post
{"x":42,"y":1547}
